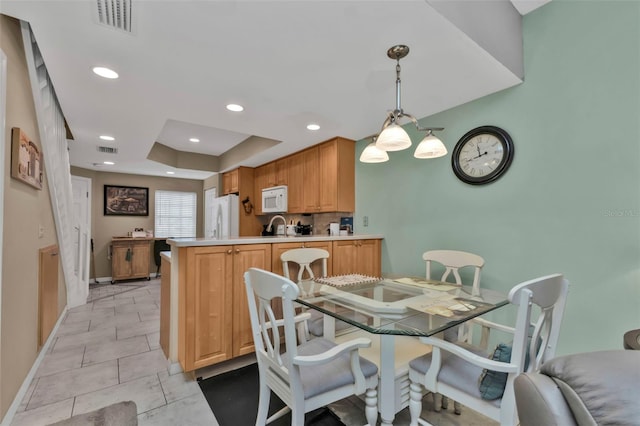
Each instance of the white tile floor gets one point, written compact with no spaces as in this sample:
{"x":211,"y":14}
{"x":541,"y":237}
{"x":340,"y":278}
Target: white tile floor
{"x":108,"y":351}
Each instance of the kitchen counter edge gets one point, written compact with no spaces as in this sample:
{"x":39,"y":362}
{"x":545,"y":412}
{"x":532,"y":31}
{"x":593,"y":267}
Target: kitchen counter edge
{"x":199,"y":242}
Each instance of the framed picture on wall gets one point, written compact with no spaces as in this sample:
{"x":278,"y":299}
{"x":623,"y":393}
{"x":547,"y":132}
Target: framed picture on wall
{"x":126,"y":201}
{"x":26,"y":159}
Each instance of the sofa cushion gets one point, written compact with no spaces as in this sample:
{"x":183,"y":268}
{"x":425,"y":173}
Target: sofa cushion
{"x":600,"y":387}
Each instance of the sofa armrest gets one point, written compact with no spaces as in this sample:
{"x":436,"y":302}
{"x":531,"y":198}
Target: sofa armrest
{"x":540,"y":401}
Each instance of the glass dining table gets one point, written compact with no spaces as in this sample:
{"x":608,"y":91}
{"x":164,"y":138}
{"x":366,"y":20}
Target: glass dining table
{"x":389,"y":308}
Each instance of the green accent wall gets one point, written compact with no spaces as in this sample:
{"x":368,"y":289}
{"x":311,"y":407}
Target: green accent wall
{"x":570,"y":201}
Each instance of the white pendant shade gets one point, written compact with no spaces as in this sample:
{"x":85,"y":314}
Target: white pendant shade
{"x":393,"y":138}
{"x":373,"y":154}
{"x":430,"y":147}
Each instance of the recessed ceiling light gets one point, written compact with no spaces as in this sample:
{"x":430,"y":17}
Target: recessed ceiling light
{"x":171,"y":173}
{"x":105,"y":72}
{"x":107,"y":138}
{"x":195,"y":140}
{"x":235,"y":107}
{"x":313,"y":126}
{"x":108,"y":163}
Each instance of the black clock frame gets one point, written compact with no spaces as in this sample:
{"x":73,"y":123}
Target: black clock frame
{"x":507,"y":146}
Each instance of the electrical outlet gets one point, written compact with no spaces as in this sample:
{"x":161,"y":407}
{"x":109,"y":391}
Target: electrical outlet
{"x":40,"y":231}
{"x":365,"y":220}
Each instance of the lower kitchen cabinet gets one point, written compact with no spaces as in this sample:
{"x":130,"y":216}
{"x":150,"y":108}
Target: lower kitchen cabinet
{"x":357,"y":257}
{"x":213,"y":314}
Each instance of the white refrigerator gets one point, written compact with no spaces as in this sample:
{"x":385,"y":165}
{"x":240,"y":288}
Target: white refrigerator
{"x":222,"y":217}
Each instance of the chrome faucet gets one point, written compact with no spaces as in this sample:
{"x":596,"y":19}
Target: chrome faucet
{"x":284,"y":221}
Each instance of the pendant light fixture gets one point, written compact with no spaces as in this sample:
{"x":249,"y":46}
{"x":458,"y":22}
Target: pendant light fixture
{"x":393,"y":137}
{"x":373,"y":154}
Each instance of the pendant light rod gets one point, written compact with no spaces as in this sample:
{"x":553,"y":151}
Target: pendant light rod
{"x":392,"y":136}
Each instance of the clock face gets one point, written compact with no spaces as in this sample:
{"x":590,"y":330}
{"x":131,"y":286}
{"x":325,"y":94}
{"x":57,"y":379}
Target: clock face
{"x":482,"y":155}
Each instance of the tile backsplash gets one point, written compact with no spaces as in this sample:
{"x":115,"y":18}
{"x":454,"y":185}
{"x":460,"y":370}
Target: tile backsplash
{"x":319,"y":221}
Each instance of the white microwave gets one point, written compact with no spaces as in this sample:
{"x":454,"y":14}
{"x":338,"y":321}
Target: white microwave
{"x":274,"y":200}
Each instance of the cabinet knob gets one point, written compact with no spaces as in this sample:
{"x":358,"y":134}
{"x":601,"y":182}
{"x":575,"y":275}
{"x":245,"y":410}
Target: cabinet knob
{"x":229,"y":251}
{"x":237,"y":250}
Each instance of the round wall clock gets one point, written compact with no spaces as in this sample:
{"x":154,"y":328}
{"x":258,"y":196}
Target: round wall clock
{"x":482,"y":155}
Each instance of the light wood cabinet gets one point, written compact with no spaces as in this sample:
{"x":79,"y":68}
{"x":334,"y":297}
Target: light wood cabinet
{"x":296,"y":184}
{"x":311,"y":180}
{"x":213,"y":314}
{"x":165,"y":306}
{"x":329,"y":177}
{"x":357,"y":257}
{"x":130,"y":258}
{"x":336,"y":162}
{"x":264,"y":177}
{"x":241,"y":182}
{"x":281,"y":172}
{"x":230,"y":182}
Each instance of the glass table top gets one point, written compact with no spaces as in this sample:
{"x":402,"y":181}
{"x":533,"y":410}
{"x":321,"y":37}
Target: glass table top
{"x":399,"y":306}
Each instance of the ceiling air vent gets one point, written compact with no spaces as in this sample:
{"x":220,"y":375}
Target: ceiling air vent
{"x":115,"y":14}
{"x":108,"y":149}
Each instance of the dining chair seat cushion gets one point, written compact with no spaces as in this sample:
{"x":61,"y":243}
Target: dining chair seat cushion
{"x":455,"y":371}
{"x":318,"y":379}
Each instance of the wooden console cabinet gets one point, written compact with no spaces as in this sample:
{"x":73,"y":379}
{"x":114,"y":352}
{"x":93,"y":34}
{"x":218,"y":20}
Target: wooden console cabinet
{"x":130,"y":258}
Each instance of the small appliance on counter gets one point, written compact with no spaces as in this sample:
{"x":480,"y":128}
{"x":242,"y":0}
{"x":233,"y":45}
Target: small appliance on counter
{"x":304,"y":229}
{"x":346,"y":224}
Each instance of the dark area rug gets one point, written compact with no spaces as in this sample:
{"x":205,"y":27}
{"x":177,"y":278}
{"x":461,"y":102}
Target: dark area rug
{"x":233,"y":398}
{"x":118,"y":414}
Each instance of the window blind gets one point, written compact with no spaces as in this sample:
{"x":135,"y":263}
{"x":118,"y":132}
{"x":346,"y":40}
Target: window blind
{"x":175,"y":214}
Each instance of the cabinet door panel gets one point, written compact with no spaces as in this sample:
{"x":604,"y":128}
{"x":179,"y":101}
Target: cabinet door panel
{"x":368,"y":259}
{"x":208,"y":306}
{"x":344,"y":257}
{"x":311,"y":193}
{"x":120,"y":266}
{"x":296,"y":183}
{"x":140,"y":259}
{"x":245,"y":257}
{"x":328,"y":169}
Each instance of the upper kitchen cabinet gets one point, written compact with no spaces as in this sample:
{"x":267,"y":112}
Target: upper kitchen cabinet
{"x":275,"y":173}
{"x":230,"y":182}
{"x":296,"y":184}
{"x":241,"y":182}
{"x":329,"y":177}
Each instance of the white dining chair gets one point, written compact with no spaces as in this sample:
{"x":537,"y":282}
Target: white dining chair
{"x":308,"y":375}
{"x":453,"y":261}
{"x":483,"y":381}
{"x":305,"y":258}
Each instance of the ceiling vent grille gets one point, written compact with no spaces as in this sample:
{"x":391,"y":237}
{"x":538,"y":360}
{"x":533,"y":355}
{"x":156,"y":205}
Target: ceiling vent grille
{"x":108,"y":149}
{"x":115,"y":14}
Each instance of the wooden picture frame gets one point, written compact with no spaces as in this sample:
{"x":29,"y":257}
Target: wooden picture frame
{"x":126,"y":200}
{"x":26,"y":159}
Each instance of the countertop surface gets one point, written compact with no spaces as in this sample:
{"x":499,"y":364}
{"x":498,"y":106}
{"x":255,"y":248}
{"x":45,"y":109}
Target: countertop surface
{"x":196,"y":242}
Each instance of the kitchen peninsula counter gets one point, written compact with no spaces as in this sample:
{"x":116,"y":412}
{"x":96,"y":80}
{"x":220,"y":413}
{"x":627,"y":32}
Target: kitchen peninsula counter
{"x":208,"y":313}
{"x":199,"y":242}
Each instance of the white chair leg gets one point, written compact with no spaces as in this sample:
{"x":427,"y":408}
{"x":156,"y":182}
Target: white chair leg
{"x":371,"y":409}
{"x":415,"y":402}
{"x":456,"y":407}
{"x":297,"y":416}
{"x":263,"y":405}
{"x":437,"y":401}
{"x":445,"y":402}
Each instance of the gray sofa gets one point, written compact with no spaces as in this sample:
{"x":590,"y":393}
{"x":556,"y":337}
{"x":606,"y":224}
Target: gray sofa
{"x":595,"y":388}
